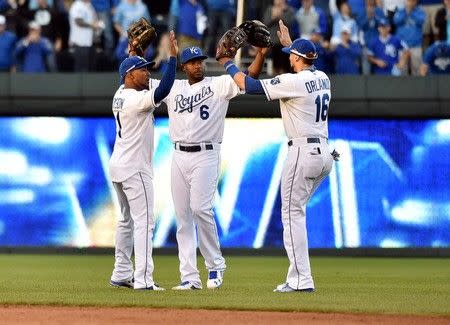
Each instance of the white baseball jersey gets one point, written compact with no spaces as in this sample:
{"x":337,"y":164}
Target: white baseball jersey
{"x":303,"y":114}
{"x":133,"y":148}
{"x":304,"y":100}
{"x":197,"y":115}
{"x":197,"y":112}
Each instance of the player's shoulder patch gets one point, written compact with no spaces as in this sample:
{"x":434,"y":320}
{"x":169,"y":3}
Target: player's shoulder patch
{"x":118,"y":103}
{"x":275,"y":81}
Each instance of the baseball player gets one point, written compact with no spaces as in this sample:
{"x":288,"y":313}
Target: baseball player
{"x":197,"y":107}
{"x":131,"y":168}
{"x":304,"y":101}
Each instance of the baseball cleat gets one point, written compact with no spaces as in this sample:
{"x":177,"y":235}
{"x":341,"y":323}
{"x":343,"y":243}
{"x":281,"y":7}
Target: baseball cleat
{"x":186,"y":285}
{"x":215,"y":279}
{"x":284,"y":287}
{"x":154,"y":287}
{"x":123,"y":284}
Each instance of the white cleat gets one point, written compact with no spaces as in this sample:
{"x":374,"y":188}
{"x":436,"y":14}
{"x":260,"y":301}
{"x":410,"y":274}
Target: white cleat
{"x":186,"y":285}
{"x":154,"y":287}
{"x":284,"y":287}
{"x":215,"y":279}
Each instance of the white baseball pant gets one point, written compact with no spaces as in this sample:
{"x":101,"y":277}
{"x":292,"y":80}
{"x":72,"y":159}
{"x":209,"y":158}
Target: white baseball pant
{"x":135,"y":228}
{"x":306,"y":166}
{"x":194,"y":183}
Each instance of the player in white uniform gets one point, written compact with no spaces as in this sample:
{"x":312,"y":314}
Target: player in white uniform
{"x":197,"y":108}
{"x":304,"y":98}
{"x":131,"y":168}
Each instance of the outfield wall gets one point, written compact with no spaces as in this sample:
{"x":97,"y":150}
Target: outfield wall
{"x":391,"y":188}
{"x":352,"y":96}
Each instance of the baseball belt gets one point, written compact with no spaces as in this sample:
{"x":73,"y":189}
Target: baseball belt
{"x":192,"y":148}
{"x":308,"y":140}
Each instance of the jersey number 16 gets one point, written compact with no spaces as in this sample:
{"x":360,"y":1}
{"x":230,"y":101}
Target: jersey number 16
{"x":322,"y":107}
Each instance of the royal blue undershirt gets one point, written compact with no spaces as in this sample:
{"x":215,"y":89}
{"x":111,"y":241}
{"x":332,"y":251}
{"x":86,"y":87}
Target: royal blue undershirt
{"x":253,"y":86}
{"x":167,"y":80}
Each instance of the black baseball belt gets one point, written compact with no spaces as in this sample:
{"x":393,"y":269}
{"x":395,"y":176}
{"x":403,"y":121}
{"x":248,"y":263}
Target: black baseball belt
{"x":194,"y":148}
{"x":308,"y":140}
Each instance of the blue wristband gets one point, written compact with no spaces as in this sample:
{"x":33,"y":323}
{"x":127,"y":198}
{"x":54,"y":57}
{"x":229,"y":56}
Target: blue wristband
{"x":231,"y":68}
{"x":228,"y":63}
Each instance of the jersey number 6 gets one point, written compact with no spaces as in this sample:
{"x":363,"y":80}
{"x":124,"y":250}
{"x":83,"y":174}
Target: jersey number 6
{"x":322,"y":107}
{"x":204,"y":114}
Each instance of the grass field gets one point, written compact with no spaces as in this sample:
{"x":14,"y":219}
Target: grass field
{"x":361,"y":285}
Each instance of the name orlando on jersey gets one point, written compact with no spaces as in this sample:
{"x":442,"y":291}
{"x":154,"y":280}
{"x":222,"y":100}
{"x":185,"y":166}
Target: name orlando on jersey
{"x":316,"y":85}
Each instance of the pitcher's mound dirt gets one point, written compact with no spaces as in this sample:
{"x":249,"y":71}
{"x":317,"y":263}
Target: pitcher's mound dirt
{"x":93,"y":315}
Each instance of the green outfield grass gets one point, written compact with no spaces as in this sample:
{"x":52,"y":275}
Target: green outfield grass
{"x":361,"y":285}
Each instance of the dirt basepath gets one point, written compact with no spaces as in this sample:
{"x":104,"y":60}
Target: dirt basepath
{"x":92,"y":315}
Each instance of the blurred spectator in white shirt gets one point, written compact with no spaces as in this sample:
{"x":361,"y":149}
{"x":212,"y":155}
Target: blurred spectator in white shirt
{"x":310,"y":17}
{"x":83,"y":24}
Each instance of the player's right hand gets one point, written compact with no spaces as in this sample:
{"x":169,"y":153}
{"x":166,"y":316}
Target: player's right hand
{"x":173,"y":44}
{"x":283,"y":34}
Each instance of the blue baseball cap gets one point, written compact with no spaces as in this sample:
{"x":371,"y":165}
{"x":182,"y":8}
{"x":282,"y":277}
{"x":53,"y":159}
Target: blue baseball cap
{"x":191,"y":53}
{"x":302,"y":47}
{"x":383,"y":22}
{"x":131,"y":63}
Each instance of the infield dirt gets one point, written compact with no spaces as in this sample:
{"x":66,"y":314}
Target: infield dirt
{"x":93,"y":315}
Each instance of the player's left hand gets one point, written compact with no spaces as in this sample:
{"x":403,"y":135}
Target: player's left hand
{"x":173,"y":44}
{"x":140,"y":35}
{"x":230,"y":42}
{"x":283,"y":34}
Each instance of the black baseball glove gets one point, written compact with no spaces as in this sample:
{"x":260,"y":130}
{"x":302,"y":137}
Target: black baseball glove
{"x":140,"y":35}
{"x":257,"y":33}
{"x":336,"y":155}
{"x":230,"y":42}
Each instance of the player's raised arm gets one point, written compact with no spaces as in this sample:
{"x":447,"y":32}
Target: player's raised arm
{"x":255,"y":68}
{"x":283,"y":34}
{"x":168,"y":77}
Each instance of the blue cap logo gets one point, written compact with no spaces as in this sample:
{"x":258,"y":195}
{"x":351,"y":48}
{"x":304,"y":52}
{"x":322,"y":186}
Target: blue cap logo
{"x":191,"y":53}
{"x":302,"y":47}
{"x":131,"y":63}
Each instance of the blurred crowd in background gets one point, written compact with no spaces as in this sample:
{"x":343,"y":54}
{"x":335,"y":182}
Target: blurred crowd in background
{"x":389,"y":37}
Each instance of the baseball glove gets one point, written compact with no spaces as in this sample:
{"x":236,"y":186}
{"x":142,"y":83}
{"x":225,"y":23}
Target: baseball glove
{"x":257,"y":33}
{"x":230,"y":42}
{"x":140,"y":35}
{"x":336,"y":155}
